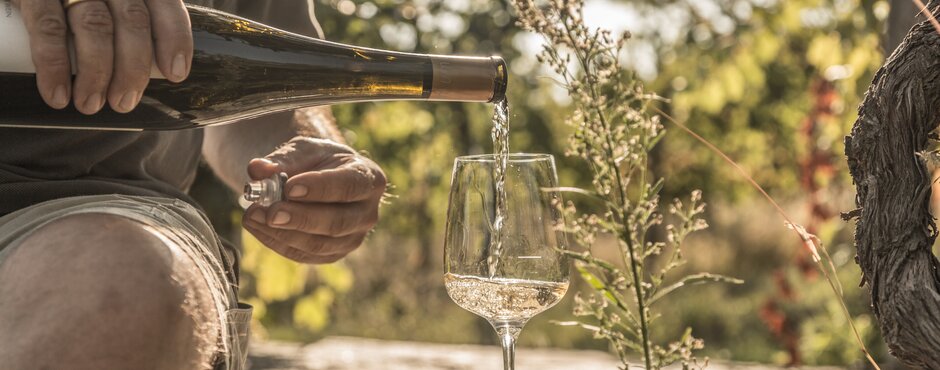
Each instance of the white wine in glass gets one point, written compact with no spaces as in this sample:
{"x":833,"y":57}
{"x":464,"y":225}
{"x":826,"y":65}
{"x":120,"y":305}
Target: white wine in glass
{"x":507,"y":279}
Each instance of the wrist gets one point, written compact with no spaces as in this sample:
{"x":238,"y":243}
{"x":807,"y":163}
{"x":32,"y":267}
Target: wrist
{"x":317,"y":122}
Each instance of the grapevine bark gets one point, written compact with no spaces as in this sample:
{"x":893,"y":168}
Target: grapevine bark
{"x":895,"y":230}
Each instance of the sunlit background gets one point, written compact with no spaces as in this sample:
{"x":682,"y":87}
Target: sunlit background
{"x":773,"y":83}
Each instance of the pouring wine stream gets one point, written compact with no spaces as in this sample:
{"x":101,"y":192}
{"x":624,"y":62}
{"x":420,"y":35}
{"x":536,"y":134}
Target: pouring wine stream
{"x":500,"y":134}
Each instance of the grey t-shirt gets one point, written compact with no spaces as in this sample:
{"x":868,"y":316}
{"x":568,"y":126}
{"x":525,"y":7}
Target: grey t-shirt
{"x":43,"y":164}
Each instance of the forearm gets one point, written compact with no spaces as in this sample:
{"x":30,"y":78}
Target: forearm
{"x":317,"y":122}
{"x":228,"y":148}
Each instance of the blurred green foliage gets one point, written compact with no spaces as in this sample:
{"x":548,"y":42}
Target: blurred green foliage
{"x":742,"y":73}
{"x":756,"y":90}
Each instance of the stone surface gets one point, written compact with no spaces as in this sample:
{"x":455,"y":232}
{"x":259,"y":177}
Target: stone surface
{"x":344,"y":353}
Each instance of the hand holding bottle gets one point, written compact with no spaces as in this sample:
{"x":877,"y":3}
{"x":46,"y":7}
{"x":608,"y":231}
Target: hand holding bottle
{"x":115,"y":42}
{"x":332,"y":200}
{"x":240,"y":69}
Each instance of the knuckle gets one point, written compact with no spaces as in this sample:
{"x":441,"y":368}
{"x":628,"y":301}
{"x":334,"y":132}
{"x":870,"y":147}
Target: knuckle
{"x":355,"y":242}
{"x":96,"y":20}
{"x":51,"y":26}
{"x":52,"y":58}
{"x":366,"y":179}
{"x":181,"y":37}
{"x":316,"y":245}
{"x":338,"y":225}
{"x":136,"y":17}
{"x":323,"y":192}
{"x":133,"y":72}
{"x":137,"y":73}
{"x":300,"y":221}
{"x":284,"y":157}
{"x":278,"y":157}
{"x":306,"y":141}
{"x":294,"y":254}
{"x":350,"y":192}
{"x":340,"y":148}
{"x":178,"y":36}
{"x":380,"y":181}
{"x":304,"y":144}
{"x":280,"y":234}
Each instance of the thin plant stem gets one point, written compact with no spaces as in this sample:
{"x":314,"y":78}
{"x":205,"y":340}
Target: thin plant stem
{"x":634,"y":258}
{"x":638,"y":290}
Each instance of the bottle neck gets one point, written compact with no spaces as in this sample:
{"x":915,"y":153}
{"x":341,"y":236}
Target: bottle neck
{"x":479,"y":79}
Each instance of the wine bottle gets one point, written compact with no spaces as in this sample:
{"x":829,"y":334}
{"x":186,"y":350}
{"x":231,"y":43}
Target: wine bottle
{"x":243,"y":69}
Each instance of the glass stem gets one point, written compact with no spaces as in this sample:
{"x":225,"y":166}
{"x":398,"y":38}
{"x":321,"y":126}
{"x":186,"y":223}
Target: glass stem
{"x":507,"y":337}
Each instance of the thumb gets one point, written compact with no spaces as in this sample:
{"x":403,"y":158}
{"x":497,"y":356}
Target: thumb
{"x":262,"y":168}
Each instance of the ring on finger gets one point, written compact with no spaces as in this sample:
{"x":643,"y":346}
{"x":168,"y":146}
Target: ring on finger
{"x":69,"y":3}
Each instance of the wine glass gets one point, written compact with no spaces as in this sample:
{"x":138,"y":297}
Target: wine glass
{"x":505,"y":276}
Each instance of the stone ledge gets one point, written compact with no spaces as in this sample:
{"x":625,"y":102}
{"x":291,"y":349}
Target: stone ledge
{"x":346,"y":353}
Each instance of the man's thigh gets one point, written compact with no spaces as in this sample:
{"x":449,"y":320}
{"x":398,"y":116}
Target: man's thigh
{"x":97,"y":290}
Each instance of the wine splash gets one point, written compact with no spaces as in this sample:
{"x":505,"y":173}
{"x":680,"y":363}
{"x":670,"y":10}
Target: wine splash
{"x":500,"y":134}
{"x":503,"y":300}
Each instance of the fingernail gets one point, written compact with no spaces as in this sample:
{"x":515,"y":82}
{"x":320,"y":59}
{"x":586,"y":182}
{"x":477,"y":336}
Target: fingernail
{"x":257,"y":216}
{"x":128,"y":101}
{"x":297,"y":191}
{"x":93,"y":102}
{"x":60,"y":96}
{"x":281,"y":218}
{"x":179,"y":67}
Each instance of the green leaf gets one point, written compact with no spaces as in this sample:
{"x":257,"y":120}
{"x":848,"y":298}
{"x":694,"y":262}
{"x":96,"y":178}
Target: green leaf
{"x":656,"y":187}
{"x":590,"y":278}
{"x":596,"y":283}
{"x":591,"y":260}
{"x":656,"y":139}
{"x":687,"y":335}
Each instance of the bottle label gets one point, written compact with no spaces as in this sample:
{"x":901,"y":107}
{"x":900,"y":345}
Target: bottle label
{"x":16,"y":57}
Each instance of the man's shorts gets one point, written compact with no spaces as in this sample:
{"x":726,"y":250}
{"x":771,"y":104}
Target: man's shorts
{"x":180,"y":223}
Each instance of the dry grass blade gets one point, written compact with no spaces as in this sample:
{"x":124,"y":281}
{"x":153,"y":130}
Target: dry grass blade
{"x":930,"y":17}
{"x":810,"y":241}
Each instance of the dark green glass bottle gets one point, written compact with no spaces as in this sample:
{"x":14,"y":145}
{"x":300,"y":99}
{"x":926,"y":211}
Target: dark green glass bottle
{"x":243,"y":69}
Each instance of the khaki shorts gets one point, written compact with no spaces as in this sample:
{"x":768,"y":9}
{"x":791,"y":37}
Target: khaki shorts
{"x":180,"y":223}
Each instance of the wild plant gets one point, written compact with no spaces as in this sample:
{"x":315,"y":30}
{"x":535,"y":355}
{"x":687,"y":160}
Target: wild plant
{"x":616,"y":125}
{"x":614,"y":133}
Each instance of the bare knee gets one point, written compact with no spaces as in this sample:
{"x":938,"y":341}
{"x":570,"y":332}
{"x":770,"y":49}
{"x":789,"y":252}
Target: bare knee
{"x":101,"y":291}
